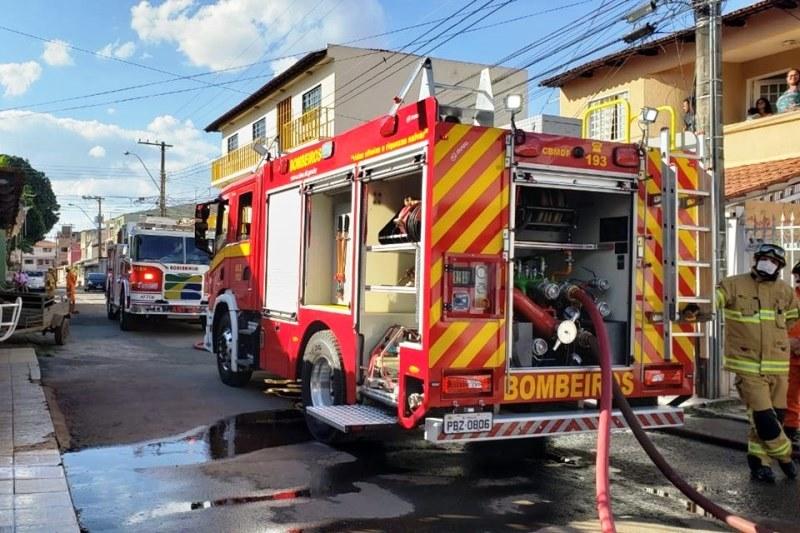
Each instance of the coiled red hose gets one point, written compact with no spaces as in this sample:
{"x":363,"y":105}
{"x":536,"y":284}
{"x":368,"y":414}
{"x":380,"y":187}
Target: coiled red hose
{"x":609,"y":387}
{"x":601,"y":481}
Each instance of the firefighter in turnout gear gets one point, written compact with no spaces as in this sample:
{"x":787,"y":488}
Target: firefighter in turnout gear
{"x":791,"y":424}
{"x":758,"y":309}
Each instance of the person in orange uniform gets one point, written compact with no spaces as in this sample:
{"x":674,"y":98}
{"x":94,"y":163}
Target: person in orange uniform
{"x":791,"y":422}
{"x":72,"y":288}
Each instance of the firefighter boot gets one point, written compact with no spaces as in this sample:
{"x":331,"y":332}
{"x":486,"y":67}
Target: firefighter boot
{"x":789,"y":468}
{"x":759,"y":471}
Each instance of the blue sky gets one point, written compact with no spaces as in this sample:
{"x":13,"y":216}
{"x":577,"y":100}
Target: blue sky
{"x":72,"y":49}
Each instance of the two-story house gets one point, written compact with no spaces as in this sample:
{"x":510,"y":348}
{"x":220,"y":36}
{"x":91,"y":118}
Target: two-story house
{"x":330,"y":91}
{"x":760,"y":44}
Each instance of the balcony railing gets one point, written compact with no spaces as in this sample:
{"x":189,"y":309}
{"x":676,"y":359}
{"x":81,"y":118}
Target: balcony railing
{"x":232,"y":163}
{"x":762,"y":139}
{"x":311,"y":126}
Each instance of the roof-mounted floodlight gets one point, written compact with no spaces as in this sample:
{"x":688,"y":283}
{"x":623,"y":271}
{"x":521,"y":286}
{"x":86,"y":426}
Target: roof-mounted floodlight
{"x":514,"y":103}
{"x":648,"y":115}
{"x":260,"y":149}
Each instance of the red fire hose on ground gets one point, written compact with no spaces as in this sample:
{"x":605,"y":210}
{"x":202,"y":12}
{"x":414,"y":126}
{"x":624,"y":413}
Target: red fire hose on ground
{"x":611,"y":387}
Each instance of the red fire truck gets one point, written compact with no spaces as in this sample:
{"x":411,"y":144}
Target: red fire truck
{"x":417,"y":271}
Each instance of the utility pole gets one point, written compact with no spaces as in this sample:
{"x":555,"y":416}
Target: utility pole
{"x":708,"y":121}
{"x":162,"y":202}
{"x":99,"y":224}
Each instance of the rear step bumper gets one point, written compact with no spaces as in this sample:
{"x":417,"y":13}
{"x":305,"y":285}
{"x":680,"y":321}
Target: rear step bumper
{"x":519,"y":426}
{"x":347,"y":418}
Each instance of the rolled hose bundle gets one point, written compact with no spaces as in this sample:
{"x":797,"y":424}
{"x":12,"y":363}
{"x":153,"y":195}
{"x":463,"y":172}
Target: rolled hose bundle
{"x":609,"y":387}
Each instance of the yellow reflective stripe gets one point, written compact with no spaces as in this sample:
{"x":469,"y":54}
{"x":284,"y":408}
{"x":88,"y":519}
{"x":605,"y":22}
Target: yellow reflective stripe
{"x":774,"y":366}
{"x":792,"y":313}
{"x":736,"y":316}
{"x":755,"y":448}
{"x":720,"y":297}
{"x":741,"y":365}
{"x":781,"y":451}
{"x":766,"y":314}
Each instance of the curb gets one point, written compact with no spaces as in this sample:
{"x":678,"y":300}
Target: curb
{"x":34,"y":493}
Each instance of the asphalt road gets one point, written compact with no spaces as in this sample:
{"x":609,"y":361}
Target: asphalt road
{"x":154,"y":441}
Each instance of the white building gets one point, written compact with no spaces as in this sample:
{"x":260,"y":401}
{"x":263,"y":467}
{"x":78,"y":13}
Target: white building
{"x":40,"y":259}
{"x":332,"y":90}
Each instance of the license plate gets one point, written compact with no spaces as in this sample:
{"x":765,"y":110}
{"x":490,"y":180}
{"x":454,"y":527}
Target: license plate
{"x":467,"y":423}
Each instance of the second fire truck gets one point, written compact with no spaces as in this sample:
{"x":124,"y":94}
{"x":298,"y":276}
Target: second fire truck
{"x":419,"y":271}
{"x":155,"y":270}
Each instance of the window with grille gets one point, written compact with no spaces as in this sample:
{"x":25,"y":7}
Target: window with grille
{"x":259,"y":129}
{"x":770,"y":88}
{"x":312,"y":99}
{"x":233,"y":142}
{"x":608,"y":123}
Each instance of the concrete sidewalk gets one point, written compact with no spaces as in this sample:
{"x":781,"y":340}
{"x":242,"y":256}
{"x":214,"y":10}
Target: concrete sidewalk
{"x":34,"y":495}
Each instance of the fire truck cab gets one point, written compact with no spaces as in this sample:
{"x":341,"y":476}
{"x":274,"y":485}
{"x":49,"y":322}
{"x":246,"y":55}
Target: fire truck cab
{"x":155,"y":270}
{"x":417,"y":271}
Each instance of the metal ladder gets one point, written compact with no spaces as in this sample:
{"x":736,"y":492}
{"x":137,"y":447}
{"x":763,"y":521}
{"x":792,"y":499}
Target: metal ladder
{"x":678,"y":201}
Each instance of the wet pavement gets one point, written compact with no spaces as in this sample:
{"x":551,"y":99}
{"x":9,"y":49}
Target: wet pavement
{"x":261,"y":471}
{"x":158,"y":444}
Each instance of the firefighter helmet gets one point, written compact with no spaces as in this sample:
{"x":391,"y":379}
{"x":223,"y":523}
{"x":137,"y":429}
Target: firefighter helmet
{"x":772,"y":251}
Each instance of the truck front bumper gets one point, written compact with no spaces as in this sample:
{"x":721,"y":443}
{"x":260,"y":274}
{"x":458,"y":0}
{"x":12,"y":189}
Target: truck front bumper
{"x":167,"y":309}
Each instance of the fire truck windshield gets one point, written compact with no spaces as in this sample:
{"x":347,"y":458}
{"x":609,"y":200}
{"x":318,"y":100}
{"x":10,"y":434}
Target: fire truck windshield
{"x":167,"y":249}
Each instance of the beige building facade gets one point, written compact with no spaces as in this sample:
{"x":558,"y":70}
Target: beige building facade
{"x":330,"y":91}
{"x":760,"y":43}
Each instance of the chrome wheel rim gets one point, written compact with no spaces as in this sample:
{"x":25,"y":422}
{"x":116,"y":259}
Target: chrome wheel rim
{"x":225,"y":349}
{"x":321,"y":383}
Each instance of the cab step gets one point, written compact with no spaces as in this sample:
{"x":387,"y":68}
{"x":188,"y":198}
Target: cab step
{"x":348,"y":418}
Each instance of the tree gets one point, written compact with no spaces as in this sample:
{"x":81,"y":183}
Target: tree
{"x":38,"y":197}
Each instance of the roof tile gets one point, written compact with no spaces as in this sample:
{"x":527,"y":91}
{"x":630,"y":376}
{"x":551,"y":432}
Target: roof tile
{"x":748,"y":178}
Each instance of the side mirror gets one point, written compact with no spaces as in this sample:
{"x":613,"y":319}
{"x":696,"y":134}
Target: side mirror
{"x":201,"y":241}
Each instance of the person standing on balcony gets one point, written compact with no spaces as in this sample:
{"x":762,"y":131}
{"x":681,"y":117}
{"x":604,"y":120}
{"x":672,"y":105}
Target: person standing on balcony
{"x":688,"y":115}
{"x":790,"y":100}
{"x":763,"y":108}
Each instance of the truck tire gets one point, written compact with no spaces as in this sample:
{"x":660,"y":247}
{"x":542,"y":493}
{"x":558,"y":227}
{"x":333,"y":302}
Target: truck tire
{"x":110,"y":312}
{"x":322,"y":381}
{"x":223,"y":339}
{"x":127,"y":321}
{"x":62,"y":332}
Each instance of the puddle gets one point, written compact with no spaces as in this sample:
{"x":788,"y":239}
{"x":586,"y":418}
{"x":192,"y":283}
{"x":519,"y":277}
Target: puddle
{"x":229,"y":437}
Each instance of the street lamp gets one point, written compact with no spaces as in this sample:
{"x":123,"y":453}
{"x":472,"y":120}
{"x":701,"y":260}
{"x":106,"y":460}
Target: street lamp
{"x":145,"y":168}
{"x":83,"y":211}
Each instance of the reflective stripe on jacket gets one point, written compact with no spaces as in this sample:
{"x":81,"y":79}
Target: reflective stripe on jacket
{"x":757,"y":317}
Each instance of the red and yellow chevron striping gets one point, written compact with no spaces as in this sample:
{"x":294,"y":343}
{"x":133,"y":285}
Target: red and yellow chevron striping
{"x":469,"y":210}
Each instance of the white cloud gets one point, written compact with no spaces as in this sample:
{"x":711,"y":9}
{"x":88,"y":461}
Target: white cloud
{"x":205,"y":33}
{"x":280,"y":65}
{"x":145,"y":55}
{"x":120,"y":51}
{"x":97,"y":152}
{"x":56,"y":54}
{"x":18,"y":77}
{"x":111,"y":110}
{"x":73,"y":170}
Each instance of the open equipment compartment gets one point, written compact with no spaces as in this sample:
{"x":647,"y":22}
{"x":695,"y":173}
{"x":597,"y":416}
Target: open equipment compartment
{"x":564,"y":237}
{"x":329,"y":238}
{"x":391,"y":255}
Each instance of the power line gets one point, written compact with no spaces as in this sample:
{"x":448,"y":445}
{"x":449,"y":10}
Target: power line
{"x":140,"y":97}
{"x":94,"y":53}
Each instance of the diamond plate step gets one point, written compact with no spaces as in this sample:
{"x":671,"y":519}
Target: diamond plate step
{"x":349,"y":417}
